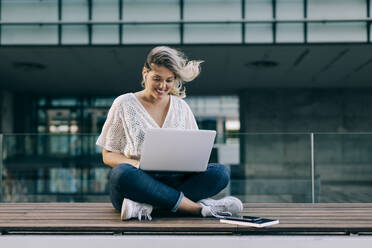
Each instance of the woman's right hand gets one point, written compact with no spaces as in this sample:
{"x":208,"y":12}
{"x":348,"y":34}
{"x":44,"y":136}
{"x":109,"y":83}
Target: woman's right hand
{"x":136,"y":163}
{"x":113,"y":158}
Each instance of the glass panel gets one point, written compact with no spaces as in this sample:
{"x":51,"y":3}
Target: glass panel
{"x":44,"y":168}
{"x":146,"y":34}
{"x":147,"y":10}
{"x":258,"y":33}
{"x":258,"y":9}
{"x":75,"y":10}
{"x":289,"y":32}
{"x":343,"y":167}
{"x":105,"y":34}
{"x":336,"y":9}
{"x":273,"y":168}
{"x":211,"y":33}
{"x":75,"y":34}
{"x":59,"y":144}
{"x":39,"y":168}
{"x":212,"y":9}
{"x":337,"y":32}
{"x":30,"y":34}
{"x":105,"y":10}
{"x":289,"y":9}
{"x":30,"y":10}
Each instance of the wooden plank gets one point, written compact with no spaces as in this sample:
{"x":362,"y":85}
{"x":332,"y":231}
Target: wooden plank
{"x":75,"y":217}
{"x":300,"y":205}
{"x":271,"y":215}
{"x":113,"y":216}
{"x":246,"y":205}
{"x":69,"y":204}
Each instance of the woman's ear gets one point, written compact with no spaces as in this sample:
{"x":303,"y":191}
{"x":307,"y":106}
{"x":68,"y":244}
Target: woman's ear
{"x":144,"y":73}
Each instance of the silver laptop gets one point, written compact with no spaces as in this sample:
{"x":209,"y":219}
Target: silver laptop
{"x":166,"y":149}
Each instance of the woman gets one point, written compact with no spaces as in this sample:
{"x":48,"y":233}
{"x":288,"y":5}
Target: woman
{"x":135,"y":192}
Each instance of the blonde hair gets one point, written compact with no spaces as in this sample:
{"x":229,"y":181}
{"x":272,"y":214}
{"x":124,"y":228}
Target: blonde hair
{"x":176,"y":61}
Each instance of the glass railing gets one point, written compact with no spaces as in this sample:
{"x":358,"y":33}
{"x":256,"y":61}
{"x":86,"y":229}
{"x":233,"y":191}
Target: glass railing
{"x":265,"y":167}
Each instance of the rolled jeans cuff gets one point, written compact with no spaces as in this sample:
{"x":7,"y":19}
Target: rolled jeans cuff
{"x":175,"y":208}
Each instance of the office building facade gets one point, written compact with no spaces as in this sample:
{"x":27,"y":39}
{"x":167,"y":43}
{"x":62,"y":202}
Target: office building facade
{"x":292,"y":76}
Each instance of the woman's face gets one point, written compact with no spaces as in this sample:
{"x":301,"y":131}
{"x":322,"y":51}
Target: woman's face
{"x":159,"y":81}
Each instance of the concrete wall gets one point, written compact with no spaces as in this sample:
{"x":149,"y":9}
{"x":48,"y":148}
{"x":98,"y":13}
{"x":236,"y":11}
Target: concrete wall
{"x":306,"y":110}
{"x":339,"y":158}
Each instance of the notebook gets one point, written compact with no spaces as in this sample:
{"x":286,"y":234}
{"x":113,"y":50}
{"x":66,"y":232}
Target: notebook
{"x":249,"y":221}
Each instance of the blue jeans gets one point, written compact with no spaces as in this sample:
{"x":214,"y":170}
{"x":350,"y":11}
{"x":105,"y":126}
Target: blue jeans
{"x":165,"y":190}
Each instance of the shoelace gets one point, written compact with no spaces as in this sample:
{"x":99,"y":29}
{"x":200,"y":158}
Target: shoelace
{"x":143,"y":212}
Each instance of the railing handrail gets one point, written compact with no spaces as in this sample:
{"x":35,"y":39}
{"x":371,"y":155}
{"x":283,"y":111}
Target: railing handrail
{"x":228,"y":134}
{"x":195,"y":21}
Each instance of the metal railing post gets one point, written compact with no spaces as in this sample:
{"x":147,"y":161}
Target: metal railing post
{"x":368,"y":26}
{"x":1,"y":166}
{"x":0,"y":19}
{"x":312,"y":168}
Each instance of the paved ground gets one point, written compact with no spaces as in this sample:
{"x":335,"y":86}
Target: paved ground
{"x":143,"y":241}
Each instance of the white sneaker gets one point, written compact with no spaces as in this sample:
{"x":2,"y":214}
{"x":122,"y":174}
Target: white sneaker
{"x":131,"y":209}
{"x":226,"y":206}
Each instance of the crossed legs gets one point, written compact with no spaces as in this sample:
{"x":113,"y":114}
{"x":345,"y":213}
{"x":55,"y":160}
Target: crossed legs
{"x":167,"y":191}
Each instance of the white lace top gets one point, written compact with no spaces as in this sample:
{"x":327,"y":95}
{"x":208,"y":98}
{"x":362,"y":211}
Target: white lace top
{"x":127,"y":122}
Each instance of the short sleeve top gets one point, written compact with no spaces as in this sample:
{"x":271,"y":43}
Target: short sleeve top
{"x":127,"y":122}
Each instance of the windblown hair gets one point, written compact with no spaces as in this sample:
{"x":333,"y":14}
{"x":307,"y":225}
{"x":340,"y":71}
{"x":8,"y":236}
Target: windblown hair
{"x":176,"y":61}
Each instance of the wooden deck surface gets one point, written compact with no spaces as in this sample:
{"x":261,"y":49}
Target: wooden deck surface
{"x":101,"y":217}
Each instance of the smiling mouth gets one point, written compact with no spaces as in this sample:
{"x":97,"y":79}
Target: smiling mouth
{"x":160,"y":91}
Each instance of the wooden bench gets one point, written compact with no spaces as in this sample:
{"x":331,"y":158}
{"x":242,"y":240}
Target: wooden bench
{"x":295,"y":218}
